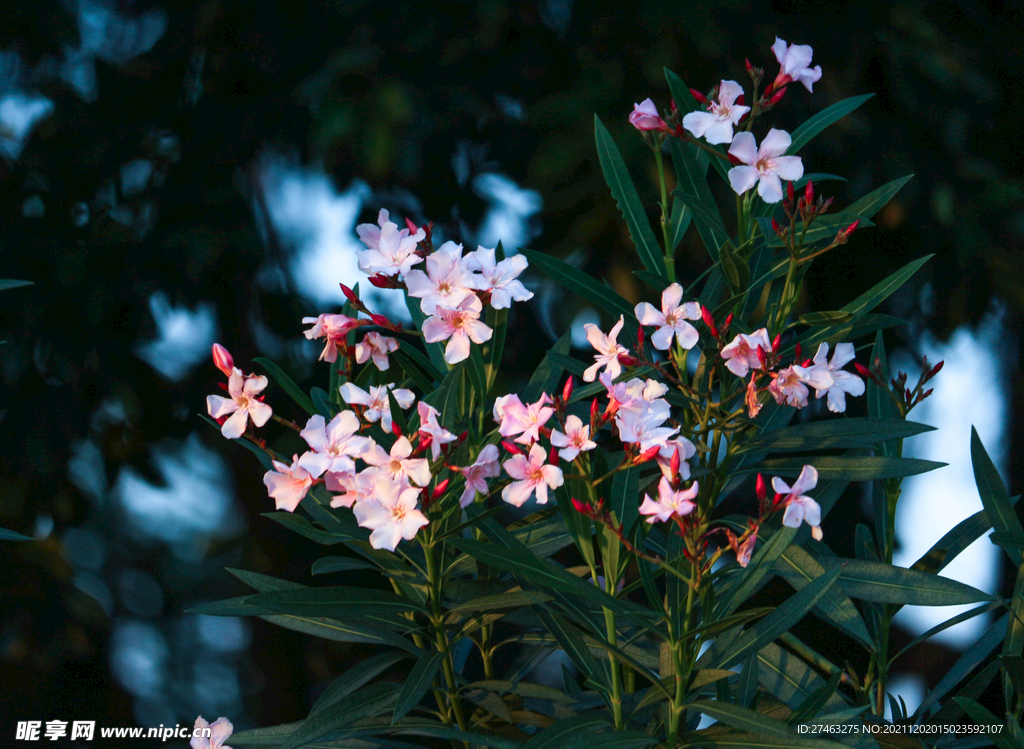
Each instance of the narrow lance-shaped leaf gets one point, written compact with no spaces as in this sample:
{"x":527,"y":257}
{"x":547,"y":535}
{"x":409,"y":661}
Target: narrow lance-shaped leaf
{"x":803,"y":134}
{"x":580,"y":283}
{"x":417,"y":684}
{"x":287,"y":383}
{"x":740,"y":717}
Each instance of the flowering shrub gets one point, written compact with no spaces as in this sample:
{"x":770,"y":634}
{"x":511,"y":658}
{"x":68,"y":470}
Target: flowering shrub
{"x":414,"y":463}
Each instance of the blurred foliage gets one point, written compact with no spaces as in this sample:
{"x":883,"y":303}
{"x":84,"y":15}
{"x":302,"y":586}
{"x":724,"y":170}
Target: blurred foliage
{"x":397,"y":95}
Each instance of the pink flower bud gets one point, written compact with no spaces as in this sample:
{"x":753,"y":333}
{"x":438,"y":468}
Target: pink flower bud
{"x":809,"y":193}
{"x":750,"y":68}
{"x":790,"y":194}
{"x":761,"y":487}
{"x":412,"y":227}
{"x":553,"y":456}
{"x":439,"y":489}
{"x":645,"y":117}
{"x":511,"y":447}
{"x":673,"y":465}
{"x":349,"y":294}
{"x":567,"y":390}
{"x":649,"y":454}
{"x":583,"y":508}
{"x":701,"y":98}
{"x":776,"y":97}
{"x":222,"y":359}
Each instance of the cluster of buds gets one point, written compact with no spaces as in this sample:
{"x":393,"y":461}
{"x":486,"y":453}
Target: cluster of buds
{"x":904,"y":397}
{"x":719,"y":334}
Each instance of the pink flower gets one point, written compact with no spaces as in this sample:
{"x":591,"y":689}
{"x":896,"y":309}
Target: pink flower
{"x":332,"y":327}
{"x":641,"y":422}
{"x":458,"y":326}
{"x":800,"y":508}
{"x":746,"y":549}
{"x":354,"y":487}
{"x":766,"y":167}
{"x":795,"y":60}
{"x":243,"y":404}
{"x":741,"y":354}
{"x":788,"y":388}
{"x":716,"y":124}
{"x":645,"y":117}
{"x":334,"y":444}
{"x":752,"y":399}
{"x":575,"y":440}
{"x":500,"y":279}
{"x":842,"y":383}
{"x":429,"y":426}
{"x":391,"y":514}
{"x":686,"y":450}
{"x":485,"y":467}
{"x":377,"y":347}
{"x":533,"y":475}
{"x":608,"y":350}
{"x":392,"y":252}
{"x":378,"y":406}
{"x":669,"y":502}
{"x":446,"y":283}
{"x":222,"y":359}
{"x":526,"y":421}
{"x":288,"y":484}
{"x":219,"y":732}
{"x":398,"y":466}
{"x":671,"y":321}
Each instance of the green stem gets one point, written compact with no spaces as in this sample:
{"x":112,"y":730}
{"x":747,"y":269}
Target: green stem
{"x":441,"y":638}
{"x":670,"y":258}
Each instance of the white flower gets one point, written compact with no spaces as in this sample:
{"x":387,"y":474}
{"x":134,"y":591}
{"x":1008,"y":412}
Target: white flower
{"x":839,"y":382}
{"x":716,"y":124}
{"x":501,"y":279}
{"x":641,"y":423}
{"x":391,"y":514}
{"x":608,"y":350}
{"x":429,"y":426}
{"x":391,"y":251}
{"x":398,"y":466}
{"x":741,"y":354}
{"x":376,"y":346}
{"x":671,"y":321}
{"x":220,"y":729}
{"x":243,"y":404}
{"x":766,"y":167}
{"x":575,"y":440}
{"x":458,"y":326}
{"x":446,"y":282}
{"x":795,"y":60}
{"x":800,"y":508}
{"x":334,"y":444}
{"x":669,"y":502}
{"x":533,"y":476}
{"x":378,"y":407}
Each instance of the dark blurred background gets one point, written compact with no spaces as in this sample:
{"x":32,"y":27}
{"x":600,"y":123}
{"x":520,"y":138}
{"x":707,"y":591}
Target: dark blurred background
{"x":175,"y":174}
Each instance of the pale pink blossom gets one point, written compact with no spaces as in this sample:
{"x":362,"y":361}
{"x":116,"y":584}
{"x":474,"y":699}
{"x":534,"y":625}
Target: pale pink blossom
{"x":788,"y":388}
{"x":397,"y":465}
{"x":287,"y":485}
{"x":645,"y":117}
{"x":795,"y":61}
{"x":378,"y":407}
{"x":842,"y":383}
{"x":800,"y":508}
{"x":741,"y":354}
{"x":376,"y":346}
{"x":429,"y":426}
{"x":641,"y":423}
{"x":392,"y":252}
{"x":499,"y":278}
{"x":533,"y":475}
{"x":671,"y":320}
{"x":458,"y":326}
{"x":332,"y":327}
{"x":526,"y":421}
{"x":575,"y":440}
{"x":669,"y":502}
{"x":354,"y":487}
{"x":626,"y":394}
{"x":766,"y":167}
{"x":746,"y":549}
{"x":222,"y":359}
{"x":717,"y":123}
{"x":608,"y":350}
{"x":391,"y":514}
{"x":485,"y":467}
{"x":334,"y":444}
{"x":686,"y":451}
{"x":220,"y":730}
{"x":242,"y":405}
{"x":445,"y":283}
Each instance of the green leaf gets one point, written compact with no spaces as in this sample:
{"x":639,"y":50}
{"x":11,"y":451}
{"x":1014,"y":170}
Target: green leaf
{"x":822,"y":319}
{"x":974,"y":656}
{"x":686,"y":103}
{"x":523,"y":689}
{"x":322,"y":401}
{"x":548,"y":373}
{"x":325,"y":565}
{"x":9,"y":283}
{"x":512,"y":599}
{"x":335,"y":601}
{"x":434,"y":350}
{"x":679,"y":222}
{"x":790,"y":679}
{"x":994,"y":497}
{"x":8,"y":535}
{"x":445,"y":399}
{"x":580,"y":283}
{"x":287,"y":383}
{"x":575,"y":647}
{"x":498,"y":322}
{"x":735,"y":268}
{"x":882,"y":583}
{"x":818,"y":122}
{"x":740,"y":717}
{"x":949,"y":547}
{"x":847,"y":467}
{"x":417,"y":684}
{"x":820,"y":435}
{"x":577,"y":732}
{"x":303,"y":527}
{"x":356,"y":677}
{"x":983,"y":717}
{"x":477,"y":372}
{"x":817,"y":701}
{"x":626,"y":198}
{"x":875,"y":200}
{"x":369,"y":701}
{"x":882,"y":290}
{"x":433,"y":729}
{"x":709,"y":223}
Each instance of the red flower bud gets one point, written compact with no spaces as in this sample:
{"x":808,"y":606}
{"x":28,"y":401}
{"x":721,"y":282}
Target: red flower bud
{"x":727,"y":323}
{"x":799,"y":350}
{"x":222,"y":359}
{"x":927,"y":392}
{"x":382,"y":282}
{"x":705,"y":314}
{"x":583,"y":508}
{"x":553,"y":456}
{"x":776,"y":97}
{"x":648,"y":454}
{"x":750,"y":68}
{"x":790,"y":194}
{"x":349,"y":294}
{"x":739,"y":100}
{"x":699,"y":96}
{"x":776,"y":228}
{"x":511,"y":447}
{"x":640,"y":337}
{"x":567,"y":390}
{"x":412,"y":227}
{"x":395,"y":429}
{"x":761,"y":487}
{"x":593,"y":410}
{"x":775,"y":342}
{"x":936,"y":369}
{"x":862,"y":370}
{"x":673,"y":465}
{"x":439,"y":489}
{"x":672,"y":105}
{"x":809,"y":193}
{"x":908,"y":394}
{"x":762,"y":356}
{"x":807,"y":362}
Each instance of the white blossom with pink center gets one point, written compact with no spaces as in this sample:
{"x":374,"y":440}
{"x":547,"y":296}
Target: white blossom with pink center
{"x":391,"y":514}
{"x":378,"y":406}
{"x":717,"y":123}
{"x":800,"y":508}
{"x":575,"y":440}
{"x":458,"y":326}
{"x":242,"y":405}
{"x":377,"y":347}
{"x":484,"y":467}
{"x":334,"y":444}
{"x":446,"y":282}
{"x":532,"y":474}
{"x":840,"y":383}
{"x":397,"y":465}
{"x":430,"y":427}
{"x":526,"y":421}
{"x":788,"y":388}
{"x":641,"y":424}
{"x":669,"y":502}
{"x":766,"y":167}
{"x":499,"y":278}
{"x":220,"y":730}
{"x":332,"y":327}
{"x":392,"y":252}
{"x":608,"y":350}
{"x":287,"y":485}
{"x":795,"y":61}
{"x":671,"y":320}
{"x":741,"y":354}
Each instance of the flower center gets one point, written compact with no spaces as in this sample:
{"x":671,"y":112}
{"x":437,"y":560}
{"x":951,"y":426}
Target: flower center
{"x":763,"y":165}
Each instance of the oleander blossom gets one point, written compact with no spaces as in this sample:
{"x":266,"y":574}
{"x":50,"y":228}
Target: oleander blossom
{"x":608,"y":350}
{"x":500,"y":279}
{"x":840,"y":383}
{"x":376,"y":402}
{"x":575,"y":440}
{"x":242,"y":405}
{"x":220,"y":730}
{"x":377,"y":347}
{"x":645,"y":117}
{"x":287,"y":485}
{"x":766,"y":166}
{"x":788,"y":388}
{"x":333,"y":444}
{"x":446,"y":282}
{"x":458,"y":326}
{"x":795,"y":60}
{"x":391,"y":251}
{"x":741,"y":354}
{"x":532,"y":474}
{"x":390,"y":513}
{"x":671,"y":320}
{"x":397,"y":465}
{"x":334,"y":328}
{"x":485,"y":467}
{"x":519,"y":419}
{"x":717,"y":123}
{"x":799,"y":507}
{"x":669,"y":503}
{"x":429,"y":426}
